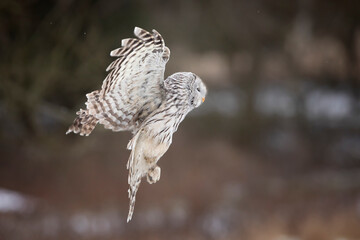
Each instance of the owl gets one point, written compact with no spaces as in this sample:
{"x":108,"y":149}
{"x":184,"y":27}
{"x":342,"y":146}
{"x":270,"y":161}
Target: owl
{"x":135,"y":97}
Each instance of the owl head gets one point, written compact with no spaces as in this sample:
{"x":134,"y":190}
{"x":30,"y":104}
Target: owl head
{"x":188,"y":86}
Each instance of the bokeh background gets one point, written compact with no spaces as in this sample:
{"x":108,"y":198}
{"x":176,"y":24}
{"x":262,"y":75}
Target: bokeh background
{"x":274,"y":153}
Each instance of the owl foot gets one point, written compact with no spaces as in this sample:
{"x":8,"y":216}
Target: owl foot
{"x":153,"y":175}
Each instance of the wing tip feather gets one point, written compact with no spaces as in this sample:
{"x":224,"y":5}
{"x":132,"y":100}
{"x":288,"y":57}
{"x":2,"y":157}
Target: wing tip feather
{"x":115,"y":52}
{"x":125,"y":41}
{"x":156,"y":32}
{"x":137,"y":31}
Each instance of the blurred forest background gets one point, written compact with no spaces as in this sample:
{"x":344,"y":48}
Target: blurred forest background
{"x":274,"y":153}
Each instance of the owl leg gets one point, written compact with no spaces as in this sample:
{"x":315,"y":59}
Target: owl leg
{"x":153,"y":175}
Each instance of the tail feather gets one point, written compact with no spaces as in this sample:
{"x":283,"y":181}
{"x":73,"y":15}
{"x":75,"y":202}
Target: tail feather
{"x":132,"y":196}
{"x":135,"y":173}
{"x":83,"y":124}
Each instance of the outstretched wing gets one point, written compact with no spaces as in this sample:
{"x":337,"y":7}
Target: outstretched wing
{"x":134,"y":86}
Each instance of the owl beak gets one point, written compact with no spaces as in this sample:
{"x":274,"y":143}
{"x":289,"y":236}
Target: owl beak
{"x":203,"y":99}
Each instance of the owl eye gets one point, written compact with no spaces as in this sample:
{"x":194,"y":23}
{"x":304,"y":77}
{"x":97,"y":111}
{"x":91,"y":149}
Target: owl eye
{"x":198,"y":89}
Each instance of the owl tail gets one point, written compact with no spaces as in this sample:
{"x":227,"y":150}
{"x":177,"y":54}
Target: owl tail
{"x":135,"y":173}
{"x":83,"y":124}
{"x":132,"y":196}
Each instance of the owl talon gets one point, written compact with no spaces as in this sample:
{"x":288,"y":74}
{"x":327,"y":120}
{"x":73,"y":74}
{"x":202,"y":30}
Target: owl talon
{"x":153,"y":175}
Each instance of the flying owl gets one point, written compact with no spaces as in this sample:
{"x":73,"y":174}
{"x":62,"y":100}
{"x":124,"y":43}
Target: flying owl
{"x":135,"y":97}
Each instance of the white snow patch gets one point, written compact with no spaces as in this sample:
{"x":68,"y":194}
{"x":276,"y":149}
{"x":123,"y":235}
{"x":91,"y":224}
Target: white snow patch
{"x":11,"y":201}
{"x":275,"y":101}
{"x":329,"y":105}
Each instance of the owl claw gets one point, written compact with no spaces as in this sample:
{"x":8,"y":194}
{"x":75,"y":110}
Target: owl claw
{"x":153,"y":175}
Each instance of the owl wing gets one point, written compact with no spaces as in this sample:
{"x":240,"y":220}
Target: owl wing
{"x":134,"y":86}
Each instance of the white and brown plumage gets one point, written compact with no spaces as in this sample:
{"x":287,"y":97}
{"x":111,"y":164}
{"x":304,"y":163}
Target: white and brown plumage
{"x":135,"y":97}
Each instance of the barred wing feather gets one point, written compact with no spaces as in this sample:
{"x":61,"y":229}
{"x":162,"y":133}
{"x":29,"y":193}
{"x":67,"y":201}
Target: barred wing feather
{"x":133,"y":87}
